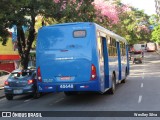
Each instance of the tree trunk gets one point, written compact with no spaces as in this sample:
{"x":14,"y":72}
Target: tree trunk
{"x":24,"y":45}
{"x":21,"y":44}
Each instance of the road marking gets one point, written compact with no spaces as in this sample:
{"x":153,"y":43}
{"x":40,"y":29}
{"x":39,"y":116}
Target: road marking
{"x":28,"y":100}
{"x":140,"y":99}
{"x":143,"y":74}
{"x":59,"y":100}
{"x":141,"y":85}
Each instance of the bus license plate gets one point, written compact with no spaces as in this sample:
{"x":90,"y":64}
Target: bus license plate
{"x":66,"y":86}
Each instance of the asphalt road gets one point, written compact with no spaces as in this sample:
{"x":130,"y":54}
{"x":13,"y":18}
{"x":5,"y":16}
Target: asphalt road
{"x":141,"y":92}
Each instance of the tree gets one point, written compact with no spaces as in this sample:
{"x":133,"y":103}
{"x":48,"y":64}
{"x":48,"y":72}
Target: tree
{"x":3,"y":25}
{"x":72,"y":11}
{"x":122,"y":19}
{"x":133,"y":24}
{"x":23,"y":13}
{"x":106,"y":12}
{"x":155,"y":34}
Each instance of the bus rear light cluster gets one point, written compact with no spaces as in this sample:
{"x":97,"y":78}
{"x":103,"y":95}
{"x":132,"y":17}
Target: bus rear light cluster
{"x":39,"y":75}
{"x":93,"y":72}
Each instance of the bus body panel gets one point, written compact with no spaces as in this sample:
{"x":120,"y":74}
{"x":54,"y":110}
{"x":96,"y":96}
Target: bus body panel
{"x":120,"y":65}
{"x":66,"y":62}
{"x":76,"y":69}
{"x":124,"y":66}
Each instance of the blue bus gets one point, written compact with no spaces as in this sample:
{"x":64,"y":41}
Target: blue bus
{"x":80,"y":57}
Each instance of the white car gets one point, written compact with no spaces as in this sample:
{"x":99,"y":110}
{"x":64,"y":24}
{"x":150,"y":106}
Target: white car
{"x":138,"y":48}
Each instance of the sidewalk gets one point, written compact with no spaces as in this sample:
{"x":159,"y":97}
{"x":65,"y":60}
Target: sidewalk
{"x":158,"y":51}
{"x":1,"y":93}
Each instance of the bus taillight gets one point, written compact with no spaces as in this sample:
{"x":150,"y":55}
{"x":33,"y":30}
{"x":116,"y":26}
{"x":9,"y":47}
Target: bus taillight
{"x":39,"y":75}
{"x":93,"y":72}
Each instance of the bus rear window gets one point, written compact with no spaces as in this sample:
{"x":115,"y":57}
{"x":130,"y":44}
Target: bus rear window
{"x":79,"y":33}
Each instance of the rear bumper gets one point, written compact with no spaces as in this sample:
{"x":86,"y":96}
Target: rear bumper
{"x":137,"y":52}
{"x":22,"y":90}
{"x":61,"y":87}
{"x":151,"y":50}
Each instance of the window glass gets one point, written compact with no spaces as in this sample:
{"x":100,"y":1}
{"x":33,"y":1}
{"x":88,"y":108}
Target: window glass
{"x":20,"y":75}
{"x":123,"y":48}
{"x":112,"y":47}
{"x":100,"y":49}
{"x":79,"y":33}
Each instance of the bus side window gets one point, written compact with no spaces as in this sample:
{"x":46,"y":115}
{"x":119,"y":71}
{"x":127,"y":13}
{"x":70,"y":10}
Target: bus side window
{"x":123,"y":48}
{"x":100,"y":48}
{"x":112,"y":48}
{"x":109,"y":44}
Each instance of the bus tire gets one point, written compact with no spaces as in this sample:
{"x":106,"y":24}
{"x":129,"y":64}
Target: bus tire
{"x":70,"y":93}
{"x":113,"y":88}
{"x":124,"y":80}
{"x":36,"y":94}
{"x":9,"y":97}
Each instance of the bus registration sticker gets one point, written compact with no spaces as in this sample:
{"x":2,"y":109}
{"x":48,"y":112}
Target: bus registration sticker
{"x":66,"y":86}
{"x":65,"y":78}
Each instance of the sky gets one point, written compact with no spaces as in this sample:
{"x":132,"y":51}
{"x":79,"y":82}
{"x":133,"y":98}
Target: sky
{"x":147,"y":5}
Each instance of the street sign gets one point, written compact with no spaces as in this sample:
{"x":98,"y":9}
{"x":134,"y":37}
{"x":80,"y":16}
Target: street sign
{"x":151,"y":27}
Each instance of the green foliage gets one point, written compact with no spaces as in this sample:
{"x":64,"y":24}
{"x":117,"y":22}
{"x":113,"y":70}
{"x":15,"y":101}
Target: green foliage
{"x":72,"y":12}
{"x":156,"y":34}
{"x":19,"y":13}
{"x":153,"y":20}
{"x":24,"y":12}
{"x":133,"y":25}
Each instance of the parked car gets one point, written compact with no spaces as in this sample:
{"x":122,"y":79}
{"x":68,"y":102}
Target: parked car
{"x":21,"y":82}
{"x":151,"y":47}
{"x":3,"y":77}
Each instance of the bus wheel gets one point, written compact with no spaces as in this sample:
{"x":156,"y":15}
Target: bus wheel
{"x":36,"y":94}
{"x":113,"y":88}
{"x":70,"y":93}
{"x":9,"y":97}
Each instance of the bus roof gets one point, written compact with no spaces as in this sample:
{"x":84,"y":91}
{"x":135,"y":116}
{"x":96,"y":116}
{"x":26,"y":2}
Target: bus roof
{"x":100,"y":28}
{"x":110,"y":33}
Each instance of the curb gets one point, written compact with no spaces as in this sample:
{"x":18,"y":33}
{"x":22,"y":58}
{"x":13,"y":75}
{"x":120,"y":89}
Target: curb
{"x":158,"y":52}
{"x":2,"y":95}
{"x":1,"y":88}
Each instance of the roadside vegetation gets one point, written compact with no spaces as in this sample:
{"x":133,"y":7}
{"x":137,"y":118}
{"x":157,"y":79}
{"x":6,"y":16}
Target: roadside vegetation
{"x":129,"y":22}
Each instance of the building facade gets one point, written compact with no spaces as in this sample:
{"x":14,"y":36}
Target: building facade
{"x":157,"y":5}
{"x":9,"y":57}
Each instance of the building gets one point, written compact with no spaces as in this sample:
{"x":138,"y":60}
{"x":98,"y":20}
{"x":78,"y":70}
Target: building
{"x":9,"y":58}
{"x":157,"y":5}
